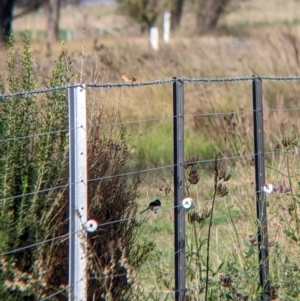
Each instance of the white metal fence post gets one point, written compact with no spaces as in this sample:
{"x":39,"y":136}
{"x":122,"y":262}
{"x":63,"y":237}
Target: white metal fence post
{"x":167,"y":27}
{"x":154,"y":38}
{"x":77,"y":193}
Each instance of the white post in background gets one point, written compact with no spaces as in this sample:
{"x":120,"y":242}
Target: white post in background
{"x":77,"y":194}
{"x":167,"y":27}
{"x":154,"y":38}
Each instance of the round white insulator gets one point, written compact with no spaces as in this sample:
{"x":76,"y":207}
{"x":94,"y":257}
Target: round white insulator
{"x":268,"y":188}
{"x":188,"y":203}
{"x":91,"y":225}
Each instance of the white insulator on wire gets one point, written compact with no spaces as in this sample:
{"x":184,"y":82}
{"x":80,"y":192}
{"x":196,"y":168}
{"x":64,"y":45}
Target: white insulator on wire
{"x":188,"y":203}
{"x":91,"y":225}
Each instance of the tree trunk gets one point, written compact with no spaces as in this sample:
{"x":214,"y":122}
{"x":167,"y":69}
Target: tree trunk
{"x":6,"y":11}
{"x":53,"y":20}
{"x":208,"y":14}
{"x":176,"y":7}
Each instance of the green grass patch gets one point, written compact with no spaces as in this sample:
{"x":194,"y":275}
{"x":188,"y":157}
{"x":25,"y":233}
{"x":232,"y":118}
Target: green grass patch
{"x":153,"y":146}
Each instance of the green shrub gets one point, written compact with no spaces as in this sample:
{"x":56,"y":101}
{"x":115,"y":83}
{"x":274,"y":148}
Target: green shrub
{"x":34,"y":192}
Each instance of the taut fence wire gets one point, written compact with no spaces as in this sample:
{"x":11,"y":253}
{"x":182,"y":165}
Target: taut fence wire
{"x":154,"y":83}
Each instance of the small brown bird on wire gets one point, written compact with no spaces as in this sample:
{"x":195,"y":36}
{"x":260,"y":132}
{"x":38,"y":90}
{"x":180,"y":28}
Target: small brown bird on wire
{"x":129,"y":78}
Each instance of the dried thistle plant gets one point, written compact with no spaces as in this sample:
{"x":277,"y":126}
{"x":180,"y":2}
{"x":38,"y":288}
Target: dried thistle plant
{"x":226,"y":280}
{"x":252,"y":240}
{"x":193,"y":176}
{"x":232,"y":127}
{"x":194,"y":217}
{"x":274,"y":291}
{"x":286,"y":141}
{"x":227,"y":177}
{"x":190,"y":161}
{"x":229,"y":117}
{"x":243,"y":297}
{"x":222,"y":190}
{"x":164,"y":186}
{"x":223,"y":173}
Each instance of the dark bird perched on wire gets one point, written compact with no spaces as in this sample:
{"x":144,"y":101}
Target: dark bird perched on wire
{"x":154,"y":206}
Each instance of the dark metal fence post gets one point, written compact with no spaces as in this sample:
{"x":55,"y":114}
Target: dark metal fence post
{"x":179,"y":220}
{"x":261,"y":208}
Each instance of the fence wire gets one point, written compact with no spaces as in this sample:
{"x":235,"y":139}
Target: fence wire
{"x":153,"y":83}
{"x":138,"y":121}
{"x":138,"y":172}
{"x":101,"y":225}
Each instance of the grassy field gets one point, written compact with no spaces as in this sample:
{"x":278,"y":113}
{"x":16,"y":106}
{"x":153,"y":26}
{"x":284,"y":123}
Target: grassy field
{"x":251,"y":38}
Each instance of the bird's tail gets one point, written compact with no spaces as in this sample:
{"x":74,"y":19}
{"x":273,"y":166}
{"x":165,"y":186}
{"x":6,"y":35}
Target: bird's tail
{"x":144,"y":210}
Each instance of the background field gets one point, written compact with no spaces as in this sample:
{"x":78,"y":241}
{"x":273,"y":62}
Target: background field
{"x":253,"y":37}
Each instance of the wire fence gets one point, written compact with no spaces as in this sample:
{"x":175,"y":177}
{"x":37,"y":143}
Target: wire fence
{"x":135,"y":217}
{"x":153,"y":83}
{"x":251,"y":192}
